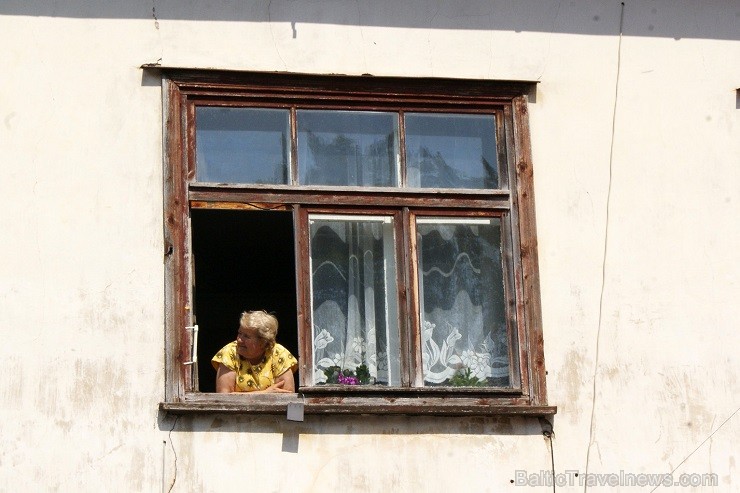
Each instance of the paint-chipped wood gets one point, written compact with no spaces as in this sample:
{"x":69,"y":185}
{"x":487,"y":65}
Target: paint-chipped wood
{"x":174,"y":238}
{"x":491,"y":200}
{"x":303,"y":296}
{"x":521,"y":329}
{"x":250,"y":206}
{"x":528,"y":251}
{"x":430,"y":406}
{"x":436,"y":90}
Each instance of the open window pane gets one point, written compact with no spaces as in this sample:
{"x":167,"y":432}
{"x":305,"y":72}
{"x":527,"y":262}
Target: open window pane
{"x":451,"y":151}
{"x":353,"y":303}
{"x":242,"y":145}
{"x":243,"y":260}
{"x":463,"y":318}
{"x":353,"y":148}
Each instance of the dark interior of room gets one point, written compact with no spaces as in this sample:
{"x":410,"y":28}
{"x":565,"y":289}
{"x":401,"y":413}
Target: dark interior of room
{"x":244,"y":260}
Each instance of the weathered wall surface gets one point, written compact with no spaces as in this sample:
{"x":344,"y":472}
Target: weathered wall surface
{"x":636,"y":144}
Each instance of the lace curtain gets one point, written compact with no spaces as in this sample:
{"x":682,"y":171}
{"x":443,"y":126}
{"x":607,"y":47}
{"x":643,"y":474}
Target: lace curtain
{"x":464,"y":337}
{"x":350,"y":277}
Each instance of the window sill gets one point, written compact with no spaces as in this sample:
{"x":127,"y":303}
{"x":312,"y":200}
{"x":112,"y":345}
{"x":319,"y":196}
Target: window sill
{"x":430,"y":406}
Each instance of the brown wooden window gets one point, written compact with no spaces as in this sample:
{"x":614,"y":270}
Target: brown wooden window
{"x":388,"y":223}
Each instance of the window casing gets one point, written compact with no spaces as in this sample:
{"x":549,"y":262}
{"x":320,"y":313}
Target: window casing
{"x":414,"y":240}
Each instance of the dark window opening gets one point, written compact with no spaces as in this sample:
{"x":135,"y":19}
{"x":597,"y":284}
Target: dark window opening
{"x":244,"y":260}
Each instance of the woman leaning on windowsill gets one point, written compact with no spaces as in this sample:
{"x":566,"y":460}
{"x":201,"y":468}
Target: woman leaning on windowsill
{"x":255,"y":362}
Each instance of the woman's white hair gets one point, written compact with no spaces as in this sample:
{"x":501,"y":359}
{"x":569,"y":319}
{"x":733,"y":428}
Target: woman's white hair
{"x":264,"y":323}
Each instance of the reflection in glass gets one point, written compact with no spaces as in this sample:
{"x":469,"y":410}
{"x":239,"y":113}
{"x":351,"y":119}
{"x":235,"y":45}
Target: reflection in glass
{"x":242,"y":145}
{"x":463,"y":320}
{"x":451,"y":151}
{"x":353,"y":301}
{"x":352,"y":148}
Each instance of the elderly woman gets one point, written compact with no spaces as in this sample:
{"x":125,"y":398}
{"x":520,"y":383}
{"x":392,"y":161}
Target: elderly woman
{"x":255,"y":362}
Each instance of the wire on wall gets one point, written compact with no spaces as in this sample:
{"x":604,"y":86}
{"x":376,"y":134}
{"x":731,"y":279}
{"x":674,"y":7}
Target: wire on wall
{"x":548,"y":432}
{"x":606,"y":244}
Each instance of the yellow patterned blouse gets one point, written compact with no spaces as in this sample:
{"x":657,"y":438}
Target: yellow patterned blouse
{"x":251,"y":377}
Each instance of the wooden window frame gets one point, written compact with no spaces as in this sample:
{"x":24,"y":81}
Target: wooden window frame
{"x":182,"y":89}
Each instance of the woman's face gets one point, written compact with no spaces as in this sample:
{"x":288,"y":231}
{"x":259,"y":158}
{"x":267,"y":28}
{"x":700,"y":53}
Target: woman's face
{"x":249,"y":345}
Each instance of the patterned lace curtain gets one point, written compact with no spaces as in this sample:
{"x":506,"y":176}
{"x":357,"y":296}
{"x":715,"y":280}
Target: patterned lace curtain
{"x":349,"y":277}
{"x":464,"y":337}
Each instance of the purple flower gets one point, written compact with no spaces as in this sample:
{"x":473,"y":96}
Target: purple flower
{"x":347,"y":380}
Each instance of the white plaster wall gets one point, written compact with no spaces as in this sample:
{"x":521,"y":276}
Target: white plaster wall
{"x":638,"y":208}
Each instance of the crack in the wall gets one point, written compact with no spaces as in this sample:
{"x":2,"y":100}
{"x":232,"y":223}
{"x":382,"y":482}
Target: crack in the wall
{"x":272,"y":34}
{"x":174,"y":453}
{"x":362,"y":34}
{"x":549,"y":40}
{"x":430,"y":31}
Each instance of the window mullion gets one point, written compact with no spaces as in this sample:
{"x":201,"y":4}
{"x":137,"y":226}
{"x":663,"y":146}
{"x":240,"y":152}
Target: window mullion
{"x":410,"y":301}
{"x":293,"y":165}
{"x":303,"y":296}
{"x":189,"y":138}
{"x":402,"y":148}
{"x":501,"y":146}
{"x":515,"y":370}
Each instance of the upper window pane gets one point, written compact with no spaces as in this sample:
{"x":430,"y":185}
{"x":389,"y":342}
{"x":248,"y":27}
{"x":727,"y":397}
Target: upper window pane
{"x":242,"y":145}
{"x":353,"y":301}
{"x":451,"y":151}
{"x":463,"y":313}
{"x":352,"y":148}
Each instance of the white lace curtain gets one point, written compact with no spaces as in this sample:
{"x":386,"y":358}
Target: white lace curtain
{"x":350,"y":307}
{"x":464,"y":337}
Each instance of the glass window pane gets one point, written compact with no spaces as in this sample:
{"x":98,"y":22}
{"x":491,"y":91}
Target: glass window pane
{"x":353,"y":148}
{"x":451,"y":151}
{"x":353,"y":301}
{"x":463,"y":318}
{"x":242,"y":145}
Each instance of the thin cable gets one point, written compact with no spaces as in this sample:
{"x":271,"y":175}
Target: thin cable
{"x":606,"y":244}
{"x":548,"y":432}
{"x":552,"y":459}
{"x":698,"y":447}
